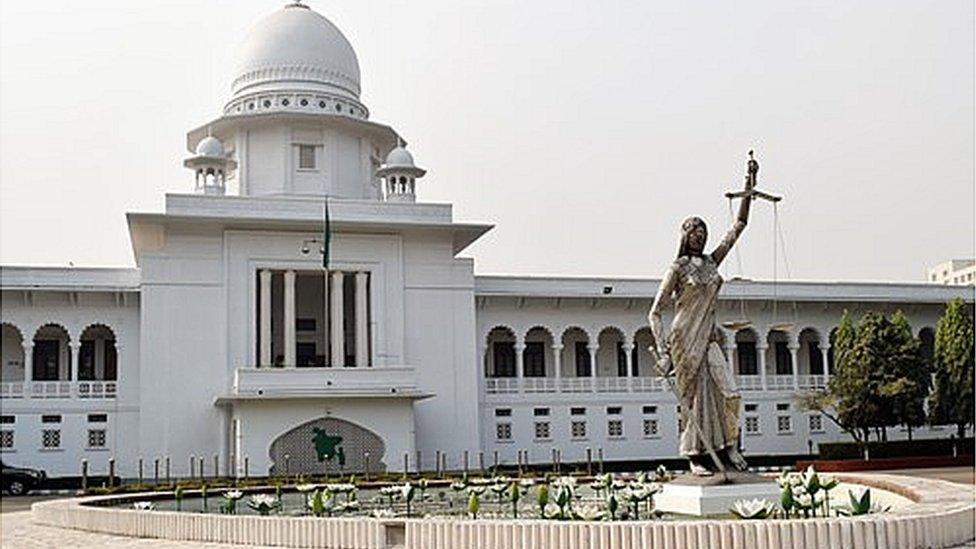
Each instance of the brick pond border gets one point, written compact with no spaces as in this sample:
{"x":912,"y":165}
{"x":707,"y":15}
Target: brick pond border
{"x":941,"y":515}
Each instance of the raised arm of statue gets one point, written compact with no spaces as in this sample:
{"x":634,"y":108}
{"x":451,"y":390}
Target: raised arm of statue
{"x":662,"y":301}
{"x":742,"y":219}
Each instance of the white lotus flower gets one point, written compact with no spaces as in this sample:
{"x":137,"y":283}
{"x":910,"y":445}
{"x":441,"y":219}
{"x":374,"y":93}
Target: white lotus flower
{"x":476,"y":490}
{"x":390,"y":491}
{"x":304,"y":488}
{"x":551,"y":511}
{"x":263,"y":499}
{"x":144,"y":506}
{"x":458,"y":486}
{"x":527,"y":482}
{"x":382,"y":513}
{"x":233,"y":494}
{"x":569,"y":482}
{"x":751,"y":509}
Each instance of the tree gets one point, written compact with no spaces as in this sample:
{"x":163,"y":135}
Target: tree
{"x":876,"y":382}
{"x":952,"y":397}
{"x":908,"y":375}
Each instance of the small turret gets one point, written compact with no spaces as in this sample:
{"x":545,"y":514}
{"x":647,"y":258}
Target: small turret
{"x":210,"y":165}
{"x":400,"y":175}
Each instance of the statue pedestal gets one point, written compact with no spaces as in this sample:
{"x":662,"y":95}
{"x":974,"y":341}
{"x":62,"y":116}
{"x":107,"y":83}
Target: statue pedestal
{"x":706,"y":496}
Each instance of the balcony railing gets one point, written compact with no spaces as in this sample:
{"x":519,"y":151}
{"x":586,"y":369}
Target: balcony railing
{"x":502,"y":386}
{"x":538,"y":385}
{"x":816,"y":382}
{"x":779,"y":382}
{"x":58,"y":389}
{"x":646,"y":384}
{"x":750,"y":382}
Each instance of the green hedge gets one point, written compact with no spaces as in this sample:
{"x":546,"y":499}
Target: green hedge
{"x":897,"y":448}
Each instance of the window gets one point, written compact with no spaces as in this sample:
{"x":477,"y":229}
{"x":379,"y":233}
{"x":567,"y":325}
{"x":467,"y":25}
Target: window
{"x":681,"y":422}
{"x":816,"y":359}
{"x":540,"y":412}
{"x":582,"y":359}
{"x":784,"y":424}
{"x":534,"y":359}
{"x":7,"y":419}
{"x":614,"y":410}
{"x":305,"y":324}
{"x":782,"y":407}
{"x":634,"y":364}
{"x":503,"y":412}
{"x":577,"y":429}
{"x":650,"y":428}
{"x":577,"y":411}
{"x":96,"y":438}
{"x":306,"y":157}
{"x":51,"y":438}
{"x":748,"y":365}
{"x":752,"y":425}
{"x":503,"y":431}
{"x":615,"y":428}
{"x":47,"y":359}
{"x":504,"y":355}
{"x":816,"y":423}
{"x":97,"y":418}
{"x":751,"y":407}
{"x":649,"y":409}
{"x":542,"y":430}
{"x":51,"y":419}
{"x":6,"y":439}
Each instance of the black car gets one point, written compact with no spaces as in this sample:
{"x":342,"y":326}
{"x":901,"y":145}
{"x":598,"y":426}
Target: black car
{"x":17,"y":481}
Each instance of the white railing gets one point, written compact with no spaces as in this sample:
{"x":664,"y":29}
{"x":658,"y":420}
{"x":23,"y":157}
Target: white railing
{"x":750,"y":382}
{"x":539,"y":385}
{"x":501,"y":386}
{"x":612,"y":385}
{"x":50,"y":389}
{"x":575,"y":385}
{"x":813,"y":382}
{"x":646,"y":384}
{"x":780,"y":382}
{"x":96,"y":389}
{"x":12,"y":389}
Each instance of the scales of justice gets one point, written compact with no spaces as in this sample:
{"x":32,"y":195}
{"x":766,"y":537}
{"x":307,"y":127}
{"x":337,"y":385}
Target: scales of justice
{"x":692,"y":364}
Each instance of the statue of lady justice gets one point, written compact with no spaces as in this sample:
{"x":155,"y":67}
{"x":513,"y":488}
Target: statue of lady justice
{"x":690,"y":351}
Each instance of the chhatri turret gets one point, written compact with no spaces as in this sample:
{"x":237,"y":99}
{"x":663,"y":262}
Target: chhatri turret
{"x":400,"y":175}
{"x":210,"y":165}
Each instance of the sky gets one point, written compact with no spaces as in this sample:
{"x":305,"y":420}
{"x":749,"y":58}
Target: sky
{"x":585,"y":131}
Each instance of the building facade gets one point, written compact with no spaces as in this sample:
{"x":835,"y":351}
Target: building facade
{"x":300,"y":311}
{"x":956,"y":272}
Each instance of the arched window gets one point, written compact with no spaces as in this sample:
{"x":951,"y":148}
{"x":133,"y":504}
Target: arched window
{"x":501,"y":353}
{"x":97,"y":356}
{"x":52,"y":355}
{"x":11,"y":353}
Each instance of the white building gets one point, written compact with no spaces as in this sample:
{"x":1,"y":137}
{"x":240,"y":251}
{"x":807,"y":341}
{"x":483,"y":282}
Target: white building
{"x":956,"y":272}
{"x":229,"y":339}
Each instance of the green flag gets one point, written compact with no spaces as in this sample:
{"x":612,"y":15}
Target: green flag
{"x":326,"y":237}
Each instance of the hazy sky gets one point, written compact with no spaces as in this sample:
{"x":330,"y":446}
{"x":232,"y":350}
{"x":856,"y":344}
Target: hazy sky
{"x":585,"y":131}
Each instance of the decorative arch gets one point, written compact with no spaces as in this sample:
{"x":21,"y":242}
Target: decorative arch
{"x":537,"y":353}
{"x":778,"y":355}
{"x":576,"y":360}
{"x":500,"y":352}
{"x":746,"y":355}
{"x":51,"y":358}
{"x":611,"y":358}
{"x":641,"y":361}
{"x":810,"y":357}
{"x":327,"y":445}
{"x":97,"y":354}
{"x":11,"y":353}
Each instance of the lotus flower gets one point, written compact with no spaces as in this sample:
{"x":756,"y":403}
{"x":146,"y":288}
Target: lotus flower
{"x":305,"y":488}
{"x":459,"y":486}
{"x":233,"y":495}
{"x":551,"y":511}
{"x":263,"y":503}
{"x":752,"y":509}
{"x":144,"y":506}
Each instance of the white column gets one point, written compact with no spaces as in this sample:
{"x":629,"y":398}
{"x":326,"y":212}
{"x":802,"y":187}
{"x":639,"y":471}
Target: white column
{"x":557,"y":363}
{"x":761,"y":362}
{"x":362,"y":319}
{"x":519,"y":362}
{"x":795,"y":366}
{"x":28,"y":361}
{"x":592,"y":349}
{"x":628,"y":349}
{"x":75,"y":351}
{"x":265,"y":323}
{"x":289,"y":308}
{"x":824,"y":349}
{"x":336,"y":321}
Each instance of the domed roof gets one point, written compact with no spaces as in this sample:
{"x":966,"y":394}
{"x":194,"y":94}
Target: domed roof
{"x":296,"y":49}
{"x":210,"y":147}
{"x":399,"y":158}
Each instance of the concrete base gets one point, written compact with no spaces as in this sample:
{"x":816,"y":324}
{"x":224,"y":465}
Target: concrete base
{"x":710,"y":496}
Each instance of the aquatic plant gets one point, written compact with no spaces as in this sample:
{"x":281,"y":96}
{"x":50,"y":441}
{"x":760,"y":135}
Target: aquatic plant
{"x":753,"y":509}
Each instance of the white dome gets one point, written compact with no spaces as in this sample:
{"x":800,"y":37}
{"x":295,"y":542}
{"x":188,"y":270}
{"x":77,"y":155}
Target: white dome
{"x":399,"y":158}
{"x":296,"y":49}
{"x":210,"y":147}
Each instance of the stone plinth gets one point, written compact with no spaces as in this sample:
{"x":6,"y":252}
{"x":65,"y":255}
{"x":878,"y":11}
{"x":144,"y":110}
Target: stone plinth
{"x":710,"y":496}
